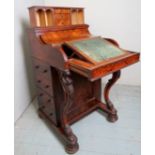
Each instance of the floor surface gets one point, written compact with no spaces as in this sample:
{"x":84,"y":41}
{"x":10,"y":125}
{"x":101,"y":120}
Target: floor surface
{"x":96,"y":136}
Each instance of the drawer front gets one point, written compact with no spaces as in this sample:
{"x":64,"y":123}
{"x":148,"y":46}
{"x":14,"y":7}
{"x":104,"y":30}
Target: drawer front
{"x":42,"y":69}
{"x":43,"y":76}
{"x":44,"y":84}
{"x":47,"y":105}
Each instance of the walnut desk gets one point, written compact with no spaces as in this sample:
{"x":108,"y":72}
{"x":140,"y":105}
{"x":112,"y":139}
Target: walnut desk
{"x":69,"y":63}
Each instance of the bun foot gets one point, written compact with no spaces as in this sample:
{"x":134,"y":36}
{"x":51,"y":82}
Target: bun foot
{"x":112,"y":117}
{"x":71,"y":149}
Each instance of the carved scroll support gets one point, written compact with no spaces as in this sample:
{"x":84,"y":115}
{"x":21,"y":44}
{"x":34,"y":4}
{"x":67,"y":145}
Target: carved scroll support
{"x":112,"y":117}
{"x":68,"y":89}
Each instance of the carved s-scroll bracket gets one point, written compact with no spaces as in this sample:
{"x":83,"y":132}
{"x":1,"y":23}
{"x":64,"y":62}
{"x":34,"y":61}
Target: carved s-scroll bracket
{"x":111,"y":82}
{"x":68,"y":90}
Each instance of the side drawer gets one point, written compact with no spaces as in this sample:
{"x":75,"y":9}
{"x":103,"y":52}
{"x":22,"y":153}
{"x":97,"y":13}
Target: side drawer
{"x":46,"y":103}
{"x":42,"y":68}
{"x":44,"y":84}
{"x":43,"y":76}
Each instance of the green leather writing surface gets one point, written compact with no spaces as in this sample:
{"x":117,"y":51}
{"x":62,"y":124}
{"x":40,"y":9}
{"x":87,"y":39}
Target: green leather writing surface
{"x":97,"y":49}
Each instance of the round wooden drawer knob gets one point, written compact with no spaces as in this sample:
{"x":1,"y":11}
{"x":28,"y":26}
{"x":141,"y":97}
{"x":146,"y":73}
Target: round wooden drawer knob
{"x":47,"y":86}
{"x":37,"y":66}
{"x":49,"y":100}
{"x":45,"y":71}
{"x":41,"y":94}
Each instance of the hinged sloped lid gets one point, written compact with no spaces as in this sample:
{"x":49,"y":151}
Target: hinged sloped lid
{"x":96,"y":49}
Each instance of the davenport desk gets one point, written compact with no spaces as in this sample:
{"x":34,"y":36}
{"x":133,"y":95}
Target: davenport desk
{"x":69,"y":63}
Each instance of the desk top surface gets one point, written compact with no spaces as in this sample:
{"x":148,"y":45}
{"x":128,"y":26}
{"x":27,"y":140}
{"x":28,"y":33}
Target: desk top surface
{"x":97,"y":49}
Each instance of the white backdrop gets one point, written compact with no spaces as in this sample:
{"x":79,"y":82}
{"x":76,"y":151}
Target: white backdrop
{"x":24,"y":87}
{"x":119,"y":19}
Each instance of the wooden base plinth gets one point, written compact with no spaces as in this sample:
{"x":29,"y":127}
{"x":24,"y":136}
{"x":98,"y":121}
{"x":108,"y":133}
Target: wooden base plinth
{"x":63,"y":125}
{"x":71,"y":144}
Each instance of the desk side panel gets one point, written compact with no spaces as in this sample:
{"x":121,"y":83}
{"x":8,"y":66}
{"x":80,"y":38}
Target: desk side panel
{"x":53,"y":56}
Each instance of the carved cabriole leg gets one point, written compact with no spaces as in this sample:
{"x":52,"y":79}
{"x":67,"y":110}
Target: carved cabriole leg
{"x":68,"y":89}
{"x":112,"y":117}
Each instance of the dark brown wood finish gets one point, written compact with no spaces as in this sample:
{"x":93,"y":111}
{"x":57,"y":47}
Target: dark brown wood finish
{"x":112,"y":117}
{"x":68,"y":84}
